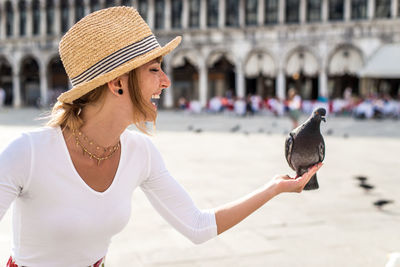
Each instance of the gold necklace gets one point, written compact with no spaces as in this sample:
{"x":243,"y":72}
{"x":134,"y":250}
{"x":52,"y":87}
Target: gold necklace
{"x":92,"y":155}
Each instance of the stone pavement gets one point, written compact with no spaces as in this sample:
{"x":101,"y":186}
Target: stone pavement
{"x":336,"y":225}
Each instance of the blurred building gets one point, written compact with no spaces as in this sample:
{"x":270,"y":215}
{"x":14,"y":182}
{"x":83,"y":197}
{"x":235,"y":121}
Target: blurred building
{"x":230,"y":47}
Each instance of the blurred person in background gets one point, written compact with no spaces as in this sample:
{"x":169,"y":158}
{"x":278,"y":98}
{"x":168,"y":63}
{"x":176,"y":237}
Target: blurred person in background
{"x":294,"y":107}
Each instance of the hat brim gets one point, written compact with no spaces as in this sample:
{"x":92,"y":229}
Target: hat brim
{"x":84,"y":88}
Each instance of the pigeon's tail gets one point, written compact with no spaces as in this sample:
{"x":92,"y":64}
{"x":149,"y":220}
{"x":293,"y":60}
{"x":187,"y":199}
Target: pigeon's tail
{"x":312,"y":184}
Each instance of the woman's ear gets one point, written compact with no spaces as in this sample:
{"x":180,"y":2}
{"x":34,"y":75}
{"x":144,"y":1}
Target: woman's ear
{"x":115,"y":85}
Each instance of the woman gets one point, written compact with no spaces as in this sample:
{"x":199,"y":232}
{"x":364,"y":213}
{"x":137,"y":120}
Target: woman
{"x":72,"y":181}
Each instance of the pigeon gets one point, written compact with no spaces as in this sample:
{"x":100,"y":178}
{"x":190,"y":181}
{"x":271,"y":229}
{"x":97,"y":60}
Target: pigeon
{"x":305,"y":146}
{"x":382,"y":202}
{"x":366,"y":186}
{"x":235,"y":128}
{"x":198,"y":130}
{"x":362,"y":179}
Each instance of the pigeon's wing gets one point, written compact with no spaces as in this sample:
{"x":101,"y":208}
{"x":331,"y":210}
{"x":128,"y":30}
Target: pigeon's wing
{"x":288,"y":149}
{"x":321,"y":150}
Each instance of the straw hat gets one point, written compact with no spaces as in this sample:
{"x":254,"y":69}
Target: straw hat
{"x":104,"y":45}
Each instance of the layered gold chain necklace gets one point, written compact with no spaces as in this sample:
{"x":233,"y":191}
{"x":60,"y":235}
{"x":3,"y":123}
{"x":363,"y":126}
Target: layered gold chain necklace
{"x":111,"y":149}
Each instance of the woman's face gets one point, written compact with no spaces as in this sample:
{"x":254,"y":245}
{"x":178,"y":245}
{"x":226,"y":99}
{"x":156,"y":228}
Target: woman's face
{"x":152,"y":80}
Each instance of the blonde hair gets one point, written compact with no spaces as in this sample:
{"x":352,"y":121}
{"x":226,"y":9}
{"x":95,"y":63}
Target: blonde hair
{"x":66,"y":115}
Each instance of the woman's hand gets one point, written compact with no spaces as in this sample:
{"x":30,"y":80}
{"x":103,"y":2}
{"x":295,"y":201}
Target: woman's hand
{"x":284,"y":183}
{"x":232,"y":213}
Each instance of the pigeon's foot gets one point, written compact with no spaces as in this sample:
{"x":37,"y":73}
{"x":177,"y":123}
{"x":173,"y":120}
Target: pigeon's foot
{"x":312,"y":184}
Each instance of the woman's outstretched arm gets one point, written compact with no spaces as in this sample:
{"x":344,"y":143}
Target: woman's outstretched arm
{"x":234,"y":212}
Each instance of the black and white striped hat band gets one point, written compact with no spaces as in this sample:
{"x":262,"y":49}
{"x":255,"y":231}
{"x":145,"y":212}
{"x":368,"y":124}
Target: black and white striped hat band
{"x":116,"y":59}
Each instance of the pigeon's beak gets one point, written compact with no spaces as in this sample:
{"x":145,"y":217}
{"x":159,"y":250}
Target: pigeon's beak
{"x":323,"y":118}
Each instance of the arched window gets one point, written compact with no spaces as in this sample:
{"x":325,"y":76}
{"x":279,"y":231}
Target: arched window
{"x":336,"y":9}
{"x":271,"y":11}
{"x":22,"y":17}
{"x":194,"y":13}
{"x":143,"y":8}
{"x":176,"y":13}
{"x":110,"y":3}
{"x":232,"y":13}
{"x":314,"y":10}
{"x":359,"y":9}
{"x":9,"y":19}
{"x":49,"y":17}
{"x":64,"y":10}
{"x":94,"y":5}
{"x":159,"y":13}
{"x":382,"y":8}
{"x":79,"y":10}
{"x":251,"y":12}
{"x":292,"y":11}
{"x":126,"y":3}
{"x":212,"y":13}
{"x":35,"y":17}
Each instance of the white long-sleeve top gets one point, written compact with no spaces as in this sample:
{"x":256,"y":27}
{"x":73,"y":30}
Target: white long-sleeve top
{"x":58,"y":220}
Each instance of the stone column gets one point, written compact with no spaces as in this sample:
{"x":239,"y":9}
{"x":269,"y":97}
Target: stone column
{"x":42,"y":18}
{"x":240,"y":81}
{"x":281,"y":85}
{"x":3,"y":23}
{"x":203,"y":15}
{"x":86,"y":5}
{"x":347,"y":10}
{"x":169,"y":92}
{"x":203,"y":82}
{"x":57,"y":19}
{"x":150,"y":14}
{"x":371,"y":9}
{"x":323,"y":83}
{"x":167,"y":14}
{"x":242,"y":15}
{"x":394,"y":8}
{"x":71,"y":13}
{"x":16,"y":18}
{"x":324,"y":10}
{"x":303,"y":11}
{"x":281,"y":12}
{"x":43,"y":85}
{"x":29,"y":18}
{"x":260,"y":12}
{"x":17,"y":102}
{"x":221,"y":13}
{"x":185,"y":14}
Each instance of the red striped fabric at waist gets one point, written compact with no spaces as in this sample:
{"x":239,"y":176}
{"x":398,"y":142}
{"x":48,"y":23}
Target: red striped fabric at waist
{"x":99,"y":263}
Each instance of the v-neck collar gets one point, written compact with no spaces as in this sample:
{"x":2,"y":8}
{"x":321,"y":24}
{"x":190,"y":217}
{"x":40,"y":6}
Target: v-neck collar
{"x":75,"y":172}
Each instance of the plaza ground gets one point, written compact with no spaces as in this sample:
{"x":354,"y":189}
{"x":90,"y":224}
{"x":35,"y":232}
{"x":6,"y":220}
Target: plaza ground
{"x":337,"y":225}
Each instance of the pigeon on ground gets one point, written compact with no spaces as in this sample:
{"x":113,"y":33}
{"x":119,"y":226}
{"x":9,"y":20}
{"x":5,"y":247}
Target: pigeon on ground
{"x":305,"y":146}
{"x":366,"y":186}
{"x":382,"y":202}
{"x":235,"y":128}
{"x":362,"y":179}
{"x":198,"y":130}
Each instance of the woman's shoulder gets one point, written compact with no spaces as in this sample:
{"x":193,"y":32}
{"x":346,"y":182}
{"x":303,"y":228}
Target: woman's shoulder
{"x":137,"y":139}
{"x":43,"y":133}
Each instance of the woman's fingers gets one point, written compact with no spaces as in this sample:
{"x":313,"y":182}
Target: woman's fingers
{"x":311,"y":171}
